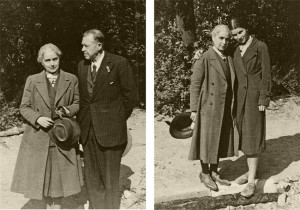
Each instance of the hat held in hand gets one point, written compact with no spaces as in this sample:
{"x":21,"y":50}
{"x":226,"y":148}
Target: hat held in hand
{"x":180,"y":127}
{"x":65,"y":132}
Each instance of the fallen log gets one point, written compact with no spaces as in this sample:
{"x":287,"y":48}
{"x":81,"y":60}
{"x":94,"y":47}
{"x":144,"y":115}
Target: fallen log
{"x":11,"y":132}
{"x":222,"y":201}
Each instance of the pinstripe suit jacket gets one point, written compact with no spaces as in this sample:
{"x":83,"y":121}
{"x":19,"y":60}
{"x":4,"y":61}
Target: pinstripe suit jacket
{"x":111,"y":102}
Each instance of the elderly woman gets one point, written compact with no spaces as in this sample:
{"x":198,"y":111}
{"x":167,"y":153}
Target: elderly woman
{"x":211,"y":103}
{"x":253,"y":71}
{"x":43,"y":171}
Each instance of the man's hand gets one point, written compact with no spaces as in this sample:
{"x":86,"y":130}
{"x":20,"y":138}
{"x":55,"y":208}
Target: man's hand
{"x":45,"y":122}
{"x":261,"y":108}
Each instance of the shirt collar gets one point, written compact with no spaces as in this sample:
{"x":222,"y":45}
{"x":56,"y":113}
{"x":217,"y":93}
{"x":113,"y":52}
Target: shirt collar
{"x":99,"y":61}
{"x":219,"y":53}
{"x":49,"y":75}
{"x":247,"y":44}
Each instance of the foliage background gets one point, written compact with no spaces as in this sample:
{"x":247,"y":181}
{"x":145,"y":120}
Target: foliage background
{"x":276,"y":22}
{"x":26,"y":25}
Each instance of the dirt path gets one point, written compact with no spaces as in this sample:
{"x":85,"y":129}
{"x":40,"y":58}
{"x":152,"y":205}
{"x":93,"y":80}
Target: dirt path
{"x":132,"y":179}
{"x":174,"y":174}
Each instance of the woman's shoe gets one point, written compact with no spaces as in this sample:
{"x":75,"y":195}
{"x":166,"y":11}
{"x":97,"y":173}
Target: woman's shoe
{"x":216,"y":177}
{"x":249,"y":190}
{"x":242,"y":179}
{"x":208,"y":182}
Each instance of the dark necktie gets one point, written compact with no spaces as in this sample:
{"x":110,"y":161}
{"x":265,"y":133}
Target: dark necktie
{"x":94,"y":72}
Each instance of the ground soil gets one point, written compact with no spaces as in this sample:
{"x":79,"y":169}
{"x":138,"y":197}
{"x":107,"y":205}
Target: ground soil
{"x":132,"y":178}
{"x":173,"y":172}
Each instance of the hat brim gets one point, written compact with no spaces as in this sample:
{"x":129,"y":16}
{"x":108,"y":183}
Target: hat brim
{"x":74,"y":133}
{"x":180,"y":127}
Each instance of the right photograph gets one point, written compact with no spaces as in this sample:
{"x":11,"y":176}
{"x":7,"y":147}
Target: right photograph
{"x":227,"y":104}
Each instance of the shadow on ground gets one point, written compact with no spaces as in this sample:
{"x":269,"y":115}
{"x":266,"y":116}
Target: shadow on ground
{"x":77,"y":201}
{"x":279,"y":154}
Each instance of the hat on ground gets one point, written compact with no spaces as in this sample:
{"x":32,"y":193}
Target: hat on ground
{"x":180,"y":127}
{"x":129,"y":143}
{"x":65,"y":132}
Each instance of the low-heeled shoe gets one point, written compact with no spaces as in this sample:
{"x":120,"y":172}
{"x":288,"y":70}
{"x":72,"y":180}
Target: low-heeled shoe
{"x":208,"y":182}
{"x":216,"y":177}
{"x":249,"y":190}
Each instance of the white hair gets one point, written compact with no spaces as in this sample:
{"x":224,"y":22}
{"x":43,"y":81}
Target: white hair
{"x":46,"y":47}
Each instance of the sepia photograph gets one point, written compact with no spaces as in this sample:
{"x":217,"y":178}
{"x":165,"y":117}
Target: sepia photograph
{"x":73,"y":104}
{"x":227,"y":104}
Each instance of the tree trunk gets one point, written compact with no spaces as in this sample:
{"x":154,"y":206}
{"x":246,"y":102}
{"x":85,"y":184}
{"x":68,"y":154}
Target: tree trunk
{"x":217,"y":202}
{"x":185,"y":19}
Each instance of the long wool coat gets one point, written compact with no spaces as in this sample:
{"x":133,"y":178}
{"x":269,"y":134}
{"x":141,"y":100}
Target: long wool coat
{"x":208,"y":90}
{"x":30,"y":167}
{"x":253,"y":73}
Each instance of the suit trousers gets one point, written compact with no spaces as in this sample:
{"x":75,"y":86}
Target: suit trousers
{"x":101,"y":173}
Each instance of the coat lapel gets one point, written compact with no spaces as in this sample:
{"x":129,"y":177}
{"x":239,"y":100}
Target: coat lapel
{"x":103,"y":72}
{"x":41,"y":86}
{"x":251,"y":51}
{"x":232,"y":72}
{"x":215,"y":63}
{"x":239,"y":61}
{"x":62,"y":86}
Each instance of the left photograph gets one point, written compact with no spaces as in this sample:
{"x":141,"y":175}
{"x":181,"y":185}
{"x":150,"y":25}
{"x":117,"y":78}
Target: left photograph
{"x":73,"y":104}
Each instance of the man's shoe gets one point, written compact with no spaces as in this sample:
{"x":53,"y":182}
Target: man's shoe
{"x":248,"y":191}
{"x":242,"y":179}
{"x":208,"y":182}
{"x":216,"y":177}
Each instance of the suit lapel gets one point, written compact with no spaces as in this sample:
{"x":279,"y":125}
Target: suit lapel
{"x":215,"y":63}
{"x":239,"y":61}
{"x":84,"y":75}
{"x":103,"y":72}
{"x":41,"y":86}
{"x":62,"y":86}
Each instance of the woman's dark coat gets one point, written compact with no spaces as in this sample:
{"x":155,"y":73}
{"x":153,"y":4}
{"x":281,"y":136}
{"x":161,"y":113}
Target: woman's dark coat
{"x":253,"y":74}
{"x":29,"y":172}
{"x":208,"y":92}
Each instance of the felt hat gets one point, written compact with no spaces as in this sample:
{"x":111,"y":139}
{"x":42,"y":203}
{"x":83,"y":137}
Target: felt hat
{"x":65,"y":132}
{"x":180,"y":127}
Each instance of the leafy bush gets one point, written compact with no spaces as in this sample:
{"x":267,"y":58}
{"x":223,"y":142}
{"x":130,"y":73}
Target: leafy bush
{"x":9,"y":115}
{"x":274,"y":22}
{"x":172,"y":74}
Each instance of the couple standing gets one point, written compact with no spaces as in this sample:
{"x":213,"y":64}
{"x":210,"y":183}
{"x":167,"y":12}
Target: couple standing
{"x":230,"y":86}
{"x":103,"y":98}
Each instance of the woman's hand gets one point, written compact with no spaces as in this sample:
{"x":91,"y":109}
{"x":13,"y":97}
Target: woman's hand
{"x":198,"y":54}
{"x":45,"y":122}
{"x":261,"y":108}
{"x":193,"y":116}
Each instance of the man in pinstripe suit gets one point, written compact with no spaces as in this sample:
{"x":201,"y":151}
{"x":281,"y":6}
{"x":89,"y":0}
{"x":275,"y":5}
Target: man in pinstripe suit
{"x":107,"y":98}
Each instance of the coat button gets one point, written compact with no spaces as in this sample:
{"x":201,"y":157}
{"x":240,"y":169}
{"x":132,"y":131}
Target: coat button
{"x":211,"y":103}
{"x":211,"y":94}
{"x":213,"y":83}
{"x":245,"y":75}
{"x":245,"y":87}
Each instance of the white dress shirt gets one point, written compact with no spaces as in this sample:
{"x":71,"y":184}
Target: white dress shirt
{"x":98,"y":62}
